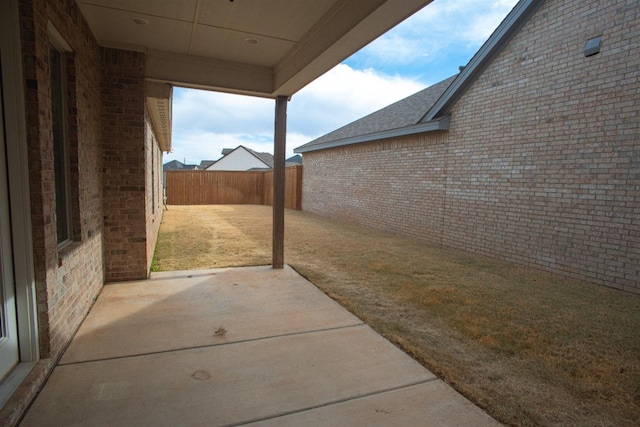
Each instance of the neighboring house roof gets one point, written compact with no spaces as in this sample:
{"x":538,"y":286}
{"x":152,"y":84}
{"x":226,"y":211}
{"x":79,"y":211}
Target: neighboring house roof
{"x":177,"y":165}
{"x":294,"y":160}
{"x":205,"y":164}
{"x":265,"y":159}
{"x":420,"y":112}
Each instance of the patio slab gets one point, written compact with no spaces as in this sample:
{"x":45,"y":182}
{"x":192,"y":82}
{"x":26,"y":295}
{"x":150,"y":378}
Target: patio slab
{"x":184,"y":309}
{"x":148,"y":354}
{"x":432,"y":404}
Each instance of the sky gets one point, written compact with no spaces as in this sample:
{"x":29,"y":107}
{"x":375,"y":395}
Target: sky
{"x":424,"y":49}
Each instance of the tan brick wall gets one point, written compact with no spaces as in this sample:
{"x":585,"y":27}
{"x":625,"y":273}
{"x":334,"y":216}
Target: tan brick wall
{"x":153,"y":197}
{"x":394,"y":185}
{"x":106,"y":126}
{"x":541,"y":166}
{"x":67,"y":280}
{"x":124,"y":164}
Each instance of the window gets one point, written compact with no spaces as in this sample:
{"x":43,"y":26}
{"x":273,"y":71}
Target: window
{"x":153,"y":175}
{"x":60,"y":146}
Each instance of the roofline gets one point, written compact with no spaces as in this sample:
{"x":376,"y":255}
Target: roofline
{"x":508,"y":28}
{"x":248,"y":150}
{"x":255,"y":154}
{"x":439,"y":124}
{"x":438,"y":116}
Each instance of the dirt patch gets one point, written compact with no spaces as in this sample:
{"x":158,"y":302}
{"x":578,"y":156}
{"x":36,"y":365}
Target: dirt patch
{"x":529,"y":347}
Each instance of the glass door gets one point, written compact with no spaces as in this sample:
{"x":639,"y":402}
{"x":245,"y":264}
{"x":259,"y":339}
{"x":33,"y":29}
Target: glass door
{"x":9,"y":355}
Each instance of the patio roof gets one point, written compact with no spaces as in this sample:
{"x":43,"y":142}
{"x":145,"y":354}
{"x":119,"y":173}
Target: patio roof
{"x":263,"y":48}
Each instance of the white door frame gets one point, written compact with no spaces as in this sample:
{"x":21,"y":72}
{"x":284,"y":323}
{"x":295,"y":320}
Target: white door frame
{"x":9,"y":353}
{"x":19,"y":203}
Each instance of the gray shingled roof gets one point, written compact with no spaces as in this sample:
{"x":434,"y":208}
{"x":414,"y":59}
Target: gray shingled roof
{"x":177,"y":165}
{"x":265,"y":157}
{"x":405,"y":112}
{"x":295,"y":160}
{"x":204,"y":164}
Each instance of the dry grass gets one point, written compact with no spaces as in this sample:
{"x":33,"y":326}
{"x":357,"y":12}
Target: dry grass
{"x":529,"y":347}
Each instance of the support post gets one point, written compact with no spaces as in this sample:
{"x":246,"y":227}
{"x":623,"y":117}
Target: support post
{"x":279,"y":149}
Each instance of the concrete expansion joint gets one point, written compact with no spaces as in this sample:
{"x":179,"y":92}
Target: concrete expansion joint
{"x":186,"y":276}
{"x":336,"y":401}
{"x":195,"y":347}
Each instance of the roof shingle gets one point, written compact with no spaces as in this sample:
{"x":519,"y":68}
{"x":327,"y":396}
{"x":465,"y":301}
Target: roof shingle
{"x":406,"y":112}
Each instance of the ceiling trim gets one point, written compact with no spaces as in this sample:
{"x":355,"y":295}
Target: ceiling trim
{"x":345,"y":29}
{"x":208,"y":73}
{"x":332,"y":27}
{"x":167,"y":31}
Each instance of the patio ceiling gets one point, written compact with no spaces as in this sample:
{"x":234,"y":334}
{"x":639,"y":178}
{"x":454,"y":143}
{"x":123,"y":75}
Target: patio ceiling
{"x":263,"y":48}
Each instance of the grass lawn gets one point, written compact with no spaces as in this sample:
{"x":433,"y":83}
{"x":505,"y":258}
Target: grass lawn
{"x":528,"y":347}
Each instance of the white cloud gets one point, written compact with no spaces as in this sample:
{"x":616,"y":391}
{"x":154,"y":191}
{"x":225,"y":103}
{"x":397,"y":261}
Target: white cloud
{"x":343,"y":95}
{"x":206,"y":122}
{"x":439,"y":27}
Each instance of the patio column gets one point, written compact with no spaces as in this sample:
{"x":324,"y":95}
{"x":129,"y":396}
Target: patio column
{"x":279,"y":148}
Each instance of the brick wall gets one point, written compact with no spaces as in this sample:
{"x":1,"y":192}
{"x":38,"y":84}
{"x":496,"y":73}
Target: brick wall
{"x":67,"y":280}
{"x":394,"y":185}
{"x":153,"y":196}
{"x":559,"y":162}
{"x":540,"y":167}
{"x":125,"y":235}
{"x":108,"y":188}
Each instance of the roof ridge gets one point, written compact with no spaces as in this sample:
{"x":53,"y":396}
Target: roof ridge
{"x":500,"y":38}
{"x":401,"y":114}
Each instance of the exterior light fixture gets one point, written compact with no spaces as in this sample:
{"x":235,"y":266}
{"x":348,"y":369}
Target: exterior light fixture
{"x":251,"y":40}
{"x":140,"y":21}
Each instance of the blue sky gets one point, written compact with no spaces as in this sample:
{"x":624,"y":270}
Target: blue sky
{"x":425,"y":49}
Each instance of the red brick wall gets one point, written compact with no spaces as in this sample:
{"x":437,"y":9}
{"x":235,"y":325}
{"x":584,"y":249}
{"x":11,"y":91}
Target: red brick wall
{"x":125,"y":239}
{"x":540,"y":167}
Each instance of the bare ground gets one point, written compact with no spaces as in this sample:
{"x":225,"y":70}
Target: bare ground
{"x":529,"y":347}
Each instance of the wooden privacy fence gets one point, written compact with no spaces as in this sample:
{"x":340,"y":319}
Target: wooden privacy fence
{"x":231,"y":188}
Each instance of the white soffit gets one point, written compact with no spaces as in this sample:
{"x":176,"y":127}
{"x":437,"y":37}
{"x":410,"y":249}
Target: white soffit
{"x":158,"y":100}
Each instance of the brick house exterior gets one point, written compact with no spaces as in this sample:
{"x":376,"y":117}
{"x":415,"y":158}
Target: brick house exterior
{"x":85,"y":115}
{"x":115,"y":177}
{"x":538,"y":164}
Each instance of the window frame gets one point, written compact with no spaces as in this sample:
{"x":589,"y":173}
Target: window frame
{"x":61,"y":146}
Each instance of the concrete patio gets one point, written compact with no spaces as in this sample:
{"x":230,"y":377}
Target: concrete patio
{"x":237,"y":346}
